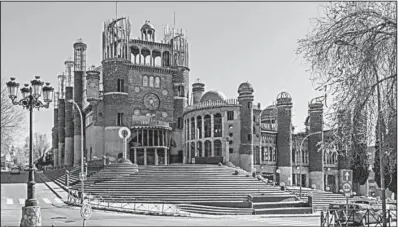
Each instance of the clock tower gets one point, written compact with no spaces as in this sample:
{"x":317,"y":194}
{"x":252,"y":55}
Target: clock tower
{"x":145,"y":88}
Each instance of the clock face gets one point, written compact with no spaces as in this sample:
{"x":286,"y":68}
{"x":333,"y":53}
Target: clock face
{"x":164,"y":114}
{"x":137,"y":89}
{"x":164,"y":92}
{"x":151,"y":101}
{"x":136,"y":112}
{"x":92,"y":85}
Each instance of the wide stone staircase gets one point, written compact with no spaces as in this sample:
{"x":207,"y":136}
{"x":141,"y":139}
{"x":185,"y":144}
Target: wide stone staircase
{"x":59,"y":175}
{"x":320,"y":199}
{"x":200,"y":188}
{"x":110,"y":172}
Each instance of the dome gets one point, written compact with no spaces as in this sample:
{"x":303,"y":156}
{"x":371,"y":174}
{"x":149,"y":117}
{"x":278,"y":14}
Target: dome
{"x":148,"y":26}
{"x":284,"y":95}
{"x":270,"y":111}
{"x":212,"y":96}
{"x":245,"y":87}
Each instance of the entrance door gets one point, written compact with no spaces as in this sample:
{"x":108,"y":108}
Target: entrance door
{"x":150,"y":153}
{"x":140,"y":156}
{"x":180,"y":156}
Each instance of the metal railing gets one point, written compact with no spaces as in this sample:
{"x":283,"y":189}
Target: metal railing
{"x":357,"y":217}
{"x":120,"y":204}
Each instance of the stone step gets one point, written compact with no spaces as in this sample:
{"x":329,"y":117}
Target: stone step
{"x":284,"y":210}
{"x":264,"y":205}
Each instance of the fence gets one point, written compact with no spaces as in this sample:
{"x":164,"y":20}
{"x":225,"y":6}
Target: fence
{"x":357,"y":217}
{"x":119,"y":204}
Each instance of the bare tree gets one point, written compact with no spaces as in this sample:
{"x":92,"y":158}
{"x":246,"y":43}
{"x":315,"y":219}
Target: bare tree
{"x":352,"y":51}
{"x":40,"y":145}
{"x":13,"y":118}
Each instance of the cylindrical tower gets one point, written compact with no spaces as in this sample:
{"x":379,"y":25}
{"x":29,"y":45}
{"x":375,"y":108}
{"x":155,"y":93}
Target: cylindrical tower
{"x":55,"y":131}
{"x":284,"y":137}
{"x":315,"y":110}
{"x":245,"y":99}
{"x":61,"y":120}
{"x":198,"y":89}
{"x":68,"y":161}
{"x":79,"y":67}
{"x":68,"y":114}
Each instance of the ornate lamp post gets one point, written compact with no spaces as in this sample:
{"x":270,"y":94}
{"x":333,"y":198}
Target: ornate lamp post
{"x":301,"y":156}
{"x":30,"y":99}
{"x":82,"y":174}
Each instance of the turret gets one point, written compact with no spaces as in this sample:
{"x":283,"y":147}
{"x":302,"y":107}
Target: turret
{"x":315,"y":110}
{"x":198,"y":89}
{"x":80,"y":67}
{"x":245,"y":99}
{"x":61,"y":120}
{"x":284,"y":137}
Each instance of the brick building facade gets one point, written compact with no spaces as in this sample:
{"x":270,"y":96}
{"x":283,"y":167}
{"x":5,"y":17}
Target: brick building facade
{"x":143,"y":84}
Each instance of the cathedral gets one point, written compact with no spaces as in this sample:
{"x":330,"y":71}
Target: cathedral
{"x":143,"y":84}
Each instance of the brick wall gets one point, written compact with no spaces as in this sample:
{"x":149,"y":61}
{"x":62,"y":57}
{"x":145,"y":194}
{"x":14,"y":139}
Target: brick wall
{"x":78,"y":80}
{"x":284,"y":136}
{"x":315,"y":157}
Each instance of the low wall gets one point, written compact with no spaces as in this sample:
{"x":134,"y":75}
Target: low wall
{"x":208,"y":160}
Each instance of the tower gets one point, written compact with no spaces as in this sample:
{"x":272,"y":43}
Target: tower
{"x":198,"y":89}
{"x":61,"y":120}
{"x":315,"y":109}
{"x":284,"y":137}
{"x":68,"y":161}
{"x":55,"y":131}
{"x":179,"y":62}
{"x":245,"y":99}
{"x":79,"y":67}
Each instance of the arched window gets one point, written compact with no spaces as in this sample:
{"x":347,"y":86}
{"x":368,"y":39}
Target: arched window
{"x":145,"y":81}
{"x":199,"y":149}
{"x":207,"y":126}
{"x":217,"y":125}
{"x":157,"y":82}
{"x":207,"y":148}
{"x":199,"y":126}
{"x":151,"y":81}
{"x":91,"y":153}
{"x":193,"y":128}
{"x":181,"y":91}
{"x":179,"y":123}
{"x":193,"y":150}
{"x":217,"y":148}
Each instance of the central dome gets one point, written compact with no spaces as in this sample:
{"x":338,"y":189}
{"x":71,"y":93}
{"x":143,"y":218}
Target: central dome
{"x":148,"y":26}
{"x":213,"y":96}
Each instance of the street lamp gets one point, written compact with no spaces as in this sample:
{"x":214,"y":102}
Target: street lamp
{"x":82,"y":149}
{"x":30,"y":100}
{"x":301,"y":156}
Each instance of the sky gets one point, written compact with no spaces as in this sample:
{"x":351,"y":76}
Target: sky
{"x":230,"y":43}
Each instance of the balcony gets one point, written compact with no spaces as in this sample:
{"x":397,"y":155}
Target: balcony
{"x":212,"y":104}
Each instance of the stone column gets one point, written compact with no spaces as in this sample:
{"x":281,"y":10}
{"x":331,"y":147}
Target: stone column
{"x":145,"y":157}
{"x":165,"y":156}
{"x":189,"y":152}
{"x":156,"y":157}
{"x":212,"y":125}
{"x":212,"y":147}
{"x":135,"y":155}
{"x":196,"y":126}
{"x":142,"y":137}
{"x":203,"y":127}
